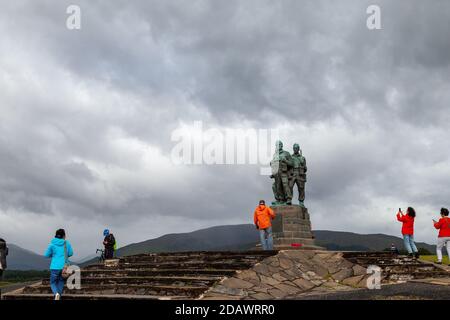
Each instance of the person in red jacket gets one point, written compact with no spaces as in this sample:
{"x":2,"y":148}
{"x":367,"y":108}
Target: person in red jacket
{"x":408,"y":230}
{"x":262,"y":218}
{"x":443,"y":225}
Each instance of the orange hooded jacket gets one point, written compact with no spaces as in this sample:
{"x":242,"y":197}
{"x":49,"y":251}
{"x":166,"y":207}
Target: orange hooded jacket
{"x":263,"y":217}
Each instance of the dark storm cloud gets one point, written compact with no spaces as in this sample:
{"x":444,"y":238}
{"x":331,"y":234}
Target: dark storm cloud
{"x":87,"y":116}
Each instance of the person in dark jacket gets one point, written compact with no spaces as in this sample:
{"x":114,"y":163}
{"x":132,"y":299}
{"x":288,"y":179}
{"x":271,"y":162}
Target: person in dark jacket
{"x":394,"y":249}
{"x":109,"y":242}
{"x":3,"y":254}
{"x":59,"y":250}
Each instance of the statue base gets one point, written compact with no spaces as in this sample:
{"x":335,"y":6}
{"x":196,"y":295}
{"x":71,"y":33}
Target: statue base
{"x":292,"y":228}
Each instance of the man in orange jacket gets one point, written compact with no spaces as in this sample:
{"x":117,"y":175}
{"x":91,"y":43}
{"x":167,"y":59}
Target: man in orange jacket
{"x":262,"y":218}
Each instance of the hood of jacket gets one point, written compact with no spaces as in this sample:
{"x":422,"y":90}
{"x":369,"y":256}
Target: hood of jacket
{"x":58,"y":242}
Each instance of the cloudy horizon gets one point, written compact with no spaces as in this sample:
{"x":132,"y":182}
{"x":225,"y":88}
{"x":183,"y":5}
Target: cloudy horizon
{"x":87,"y":115}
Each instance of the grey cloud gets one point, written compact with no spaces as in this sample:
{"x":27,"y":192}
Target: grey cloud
{"x":81,"y":111}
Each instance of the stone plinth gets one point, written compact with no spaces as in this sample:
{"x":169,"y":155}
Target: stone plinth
{"x":292,"y":225}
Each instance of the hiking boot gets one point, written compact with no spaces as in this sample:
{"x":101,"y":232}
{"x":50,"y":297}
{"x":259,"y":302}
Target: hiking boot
{"x":438,"y":262}
{"x":417,"y":255}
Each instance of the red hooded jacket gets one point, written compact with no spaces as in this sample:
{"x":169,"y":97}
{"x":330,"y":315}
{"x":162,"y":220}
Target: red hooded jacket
{"x":444,"y":227}
{"x":408,"y":223}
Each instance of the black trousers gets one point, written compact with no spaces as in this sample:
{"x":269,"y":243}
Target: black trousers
{"x":109,"y":253}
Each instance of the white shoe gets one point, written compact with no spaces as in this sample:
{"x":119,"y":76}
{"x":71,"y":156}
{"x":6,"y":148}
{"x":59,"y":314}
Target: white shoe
{"x":57,"y":296}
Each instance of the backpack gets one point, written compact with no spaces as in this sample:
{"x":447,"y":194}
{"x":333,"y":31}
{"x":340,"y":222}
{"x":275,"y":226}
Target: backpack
{"x":115,"y":245}
{"x":66,"y":273}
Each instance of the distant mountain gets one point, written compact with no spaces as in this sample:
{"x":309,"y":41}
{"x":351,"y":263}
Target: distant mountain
{"x":86,"y":259}
{"x":221,"y":238}
{"x":348,"y":241}
{"x":22,"y":259}
{"x":235,"y":237}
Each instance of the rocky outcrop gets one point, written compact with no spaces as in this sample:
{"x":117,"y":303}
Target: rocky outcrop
{"x":289,"y":274}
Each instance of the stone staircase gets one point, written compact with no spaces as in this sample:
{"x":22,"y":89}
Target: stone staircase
{"x":184,"y":275}
{"x":397,"y":268}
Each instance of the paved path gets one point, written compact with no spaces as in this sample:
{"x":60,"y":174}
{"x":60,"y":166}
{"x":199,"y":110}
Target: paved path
{"x":404,"y":291}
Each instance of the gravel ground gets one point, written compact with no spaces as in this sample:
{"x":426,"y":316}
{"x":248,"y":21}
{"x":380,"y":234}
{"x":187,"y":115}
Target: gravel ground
{"x":404,"y":291}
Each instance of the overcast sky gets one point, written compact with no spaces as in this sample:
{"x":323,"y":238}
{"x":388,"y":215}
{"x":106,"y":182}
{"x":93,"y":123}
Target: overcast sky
{"x":86,"y":116}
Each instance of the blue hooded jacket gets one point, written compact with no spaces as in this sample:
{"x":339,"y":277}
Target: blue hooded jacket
{"x":55,"y":251}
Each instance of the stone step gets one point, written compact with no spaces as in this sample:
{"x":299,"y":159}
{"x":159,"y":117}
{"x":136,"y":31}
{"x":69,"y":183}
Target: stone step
{"x":205,"y":259}
{"x":178,"y":258}
{"x":409,"y":269}
{"x":174,"y":265}
{"x":152,"y":276}
{"x":388,"y":263}
{"x":206,"y":254}
{"x":155,"y":272}
{"x":202,"y":256}
{"x":412,"y":264}
{"x":289,"y":241}
{"x":293,"y":234}
{"x":431,"y":274}
{"x":376,"y":254}
{"x":382,"y":261}
{"x":88,"y":297}
{"x":396,"y":267}
{"x":133,"y":289}
{"x":191,"y":281}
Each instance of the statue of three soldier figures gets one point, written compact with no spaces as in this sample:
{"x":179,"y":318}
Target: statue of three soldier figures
{"x":288,"y":170}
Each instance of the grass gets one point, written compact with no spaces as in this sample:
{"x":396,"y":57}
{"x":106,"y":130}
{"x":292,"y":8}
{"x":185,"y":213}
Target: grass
{"x":19,"y":276}
{"x":432,"y":258}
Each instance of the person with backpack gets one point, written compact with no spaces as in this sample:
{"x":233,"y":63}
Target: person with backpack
{"x":59,"y":250}
{"x":443,"y":225}
{"x":110,"y":244}
{"x":407,"y":221}
{"x":262,"y":218}
{"x":394,"y":249}
{"x":3,"y":254}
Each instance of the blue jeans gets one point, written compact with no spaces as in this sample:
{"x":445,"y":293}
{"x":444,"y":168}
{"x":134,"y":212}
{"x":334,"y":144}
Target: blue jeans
{"x":410,"y":246}
{"x":266,"y":238}
{"x":56,"y":281}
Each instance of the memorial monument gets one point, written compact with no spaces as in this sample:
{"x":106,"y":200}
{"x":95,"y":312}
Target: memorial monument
{"x":292,"y":225}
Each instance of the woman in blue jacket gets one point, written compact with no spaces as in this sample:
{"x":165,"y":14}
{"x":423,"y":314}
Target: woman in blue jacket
{"x":57,"y":253}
